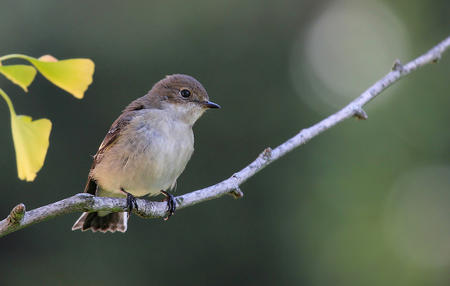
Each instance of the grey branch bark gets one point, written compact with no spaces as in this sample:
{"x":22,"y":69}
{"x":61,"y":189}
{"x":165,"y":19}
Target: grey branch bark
{"x":20,"y":218}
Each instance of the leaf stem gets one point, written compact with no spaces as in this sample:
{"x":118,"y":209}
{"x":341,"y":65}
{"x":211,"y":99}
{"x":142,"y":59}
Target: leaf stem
{"x":8,"y":102}
{"x":15,"y":56}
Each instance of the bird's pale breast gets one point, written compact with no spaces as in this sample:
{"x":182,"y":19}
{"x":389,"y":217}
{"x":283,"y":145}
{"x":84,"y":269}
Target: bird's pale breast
{"x":149,"y":155}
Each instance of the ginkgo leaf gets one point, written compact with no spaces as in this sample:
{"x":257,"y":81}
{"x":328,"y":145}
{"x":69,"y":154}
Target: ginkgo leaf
{"x":72,"y":75}
{"x":22,"y":75}
{"x":31,"y":141}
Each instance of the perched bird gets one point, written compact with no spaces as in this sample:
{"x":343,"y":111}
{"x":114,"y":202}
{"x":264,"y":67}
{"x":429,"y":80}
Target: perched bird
{"x":146,"y":149}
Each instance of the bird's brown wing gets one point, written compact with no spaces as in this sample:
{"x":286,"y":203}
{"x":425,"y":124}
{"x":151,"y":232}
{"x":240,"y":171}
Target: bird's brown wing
{"x":110,"y":138}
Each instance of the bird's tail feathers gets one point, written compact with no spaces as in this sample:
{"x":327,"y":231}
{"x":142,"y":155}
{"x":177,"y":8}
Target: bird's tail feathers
{"x":112,"y":222}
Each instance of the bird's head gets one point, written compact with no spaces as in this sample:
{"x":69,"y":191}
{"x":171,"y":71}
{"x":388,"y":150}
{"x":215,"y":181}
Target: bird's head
{"x":181,"y":95}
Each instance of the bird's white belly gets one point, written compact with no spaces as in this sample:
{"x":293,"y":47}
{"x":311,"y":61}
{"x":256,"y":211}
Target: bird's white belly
{"x":148,"y":157}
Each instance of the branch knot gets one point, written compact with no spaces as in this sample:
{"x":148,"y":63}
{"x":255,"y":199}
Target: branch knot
{"x":267,"y":153}
{"x":16,"y":214}
{"x":359,"y":113}
{"x":236,"y":192}
{"x":437,"y":57}
{"x":397,"y":66}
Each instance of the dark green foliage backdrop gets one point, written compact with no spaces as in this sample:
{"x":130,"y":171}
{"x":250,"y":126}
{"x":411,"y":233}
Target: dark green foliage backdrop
{"x":366,"y":203}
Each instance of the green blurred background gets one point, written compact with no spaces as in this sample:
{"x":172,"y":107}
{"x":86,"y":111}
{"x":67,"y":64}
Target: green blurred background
{"x":365,"y":203}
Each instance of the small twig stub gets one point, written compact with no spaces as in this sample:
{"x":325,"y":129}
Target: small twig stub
{"x":17,"y":214}
{"x":397,"y":66}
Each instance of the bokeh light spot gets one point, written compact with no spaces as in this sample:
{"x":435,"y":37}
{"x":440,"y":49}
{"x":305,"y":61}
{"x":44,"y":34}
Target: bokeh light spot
{"x":347,"y":48}
{"x":418,"y":214}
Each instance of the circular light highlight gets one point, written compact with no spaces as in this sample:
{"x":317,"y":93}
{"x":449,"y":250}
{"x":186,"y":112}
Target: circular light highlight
{"x":348,"y":48}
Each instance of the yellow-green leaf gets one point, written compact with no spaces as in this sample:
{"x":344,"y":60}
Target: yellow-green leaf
{"x":72,"y":75}
{"x":22,"y":75}
{"x":31,"y":140}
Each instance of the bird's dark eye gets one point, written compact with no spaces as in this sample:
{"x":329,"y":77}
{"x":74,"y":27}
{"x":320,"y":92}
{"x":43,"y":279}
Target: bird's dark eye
{"x":185,"y":93}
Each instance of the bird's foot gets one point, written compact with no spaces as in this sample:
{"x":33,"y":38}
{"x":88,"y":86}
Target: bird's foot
{"x":131,"y":201}
{"x":171,"y":204}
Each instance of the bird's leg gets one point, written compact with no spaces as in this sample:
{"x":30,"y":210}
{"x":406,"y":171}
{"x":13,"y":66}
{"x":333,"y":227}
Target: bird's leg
{"x":131,"y":201}
{"x":171,"y":204}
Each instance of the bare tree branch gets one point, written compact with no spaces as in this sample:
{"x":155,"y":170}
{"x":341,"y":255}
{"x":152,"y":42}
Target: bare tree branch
{"x":19,"y":218}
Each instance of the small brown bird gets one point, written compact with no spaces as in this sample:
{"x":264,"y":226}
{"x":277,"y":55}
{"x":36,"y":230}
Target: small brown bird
{"x":146,"y":149}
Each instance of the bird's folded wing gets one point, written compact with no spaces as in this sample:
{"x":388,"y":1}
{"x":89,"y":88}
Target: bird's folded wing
{"x":110,"y":138}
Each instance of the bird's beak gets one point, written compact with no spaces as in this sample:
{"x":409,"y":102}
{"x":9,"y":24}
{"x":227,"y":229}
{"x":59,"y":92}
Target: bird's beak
{"x":209,"y":104}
